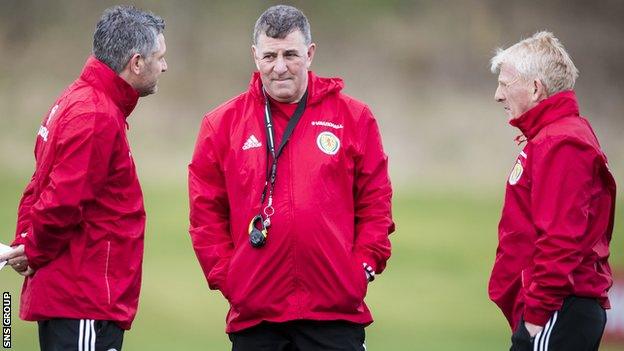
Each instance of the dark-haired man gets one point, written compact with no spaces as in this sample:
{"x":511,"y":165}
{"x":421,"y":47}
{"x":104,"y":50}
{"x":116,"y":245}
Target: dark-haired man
{"x":79,"y":237}
{"x":290,"y":200}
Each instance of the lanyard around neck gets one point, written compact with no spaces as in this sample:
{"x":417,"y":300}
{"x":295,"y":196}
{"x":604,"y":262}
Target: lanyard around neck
{"x":290,"y":127}
{"x":268,"y":122}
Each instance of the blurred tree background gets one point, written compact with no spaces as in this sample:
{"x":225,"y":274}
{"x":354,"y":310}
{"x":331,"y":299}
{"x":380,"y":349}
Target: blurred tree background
{"x":422,"y":66}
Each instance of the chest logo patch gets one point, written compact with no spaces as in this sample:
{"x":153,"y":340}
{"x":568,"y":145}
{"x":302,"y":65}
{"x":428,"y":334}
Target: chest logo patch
{"x":516,"y":173}
{"x":252,"y":142}
{"x":328,"y":143}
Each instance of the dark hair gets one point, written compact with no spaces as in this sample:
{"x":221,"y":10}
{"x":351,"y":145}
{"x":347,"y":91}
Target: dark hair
{"x":124,"y":31}
{"x":279,"y":21}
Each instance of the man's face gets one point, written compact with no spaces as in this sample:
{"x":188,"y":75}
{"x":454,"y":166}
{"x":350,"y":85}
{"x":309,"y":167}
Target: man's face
{"x":283,"y":65}
{"x":514,"y":92}
{"x":154,"y":66}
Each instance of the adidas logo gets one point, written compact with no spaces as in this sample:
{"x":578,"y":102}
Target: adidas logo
{"x":251,"y":142}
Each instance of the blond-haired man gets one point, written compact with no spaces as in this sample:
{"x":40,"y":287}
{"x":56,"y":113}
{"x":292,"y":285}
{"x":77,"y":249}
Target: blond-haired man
{"x":551,"y":274}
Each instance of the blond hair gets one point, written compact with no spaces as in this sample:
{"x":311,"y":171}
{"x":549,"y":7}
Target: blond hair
{"x":542,"y":57}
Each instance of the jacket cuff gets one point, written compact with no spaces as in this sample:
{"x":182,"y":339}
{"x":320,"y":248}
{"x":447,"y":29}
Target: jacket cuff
{"x":20,"y":239}
{"x":36,"y":259}
{"x":536,"y":316}
{"x":370,"y":272}
{"x":368,"y":260}
{"x":368,"y":264}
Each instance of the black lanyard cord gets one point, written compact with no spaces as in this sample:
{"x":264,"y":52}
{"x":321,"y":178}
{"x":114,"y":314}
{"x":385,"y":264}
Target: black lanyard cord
{"x":271,"y":173}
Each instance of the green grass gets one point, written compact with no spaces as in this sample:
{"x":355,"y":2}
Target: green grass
{"x":431,"y":297}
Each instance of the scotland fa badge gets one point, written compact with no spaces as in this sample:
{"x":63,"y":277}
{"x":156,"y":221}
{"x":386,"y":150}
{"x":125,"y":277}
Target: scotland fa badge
{"x":328,"y":143}
{"x":516,"y":173}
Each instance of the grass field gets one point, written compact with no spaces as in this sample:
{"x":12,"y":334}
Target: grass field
{"x":432,"y":296}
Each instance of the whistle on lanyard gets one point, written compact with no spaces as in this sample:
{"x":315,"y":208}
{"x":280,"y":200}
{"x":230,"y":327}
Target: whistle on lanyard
{"x":257,"y":232}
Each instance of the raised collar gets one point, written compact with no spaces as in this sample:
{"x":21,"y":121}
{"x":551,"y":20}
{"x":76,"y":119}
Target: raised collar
{"x":101,"y":77}
{"x":547,"y":111}
{"x":318,"y":87}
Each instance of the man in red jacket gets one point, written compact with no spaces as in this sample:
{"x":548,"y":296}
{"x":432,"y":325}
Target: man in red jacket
{"x":290,"y":200}
{"x":551,"y":274}
{"x":79,"y":237}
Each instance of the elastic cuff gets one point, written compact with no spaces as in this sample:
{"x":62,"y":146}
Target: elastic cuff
{"x":370,"y":272}
{"x":35,"y":258}
{"x":362,"y":257}
{"x":19,"y":239}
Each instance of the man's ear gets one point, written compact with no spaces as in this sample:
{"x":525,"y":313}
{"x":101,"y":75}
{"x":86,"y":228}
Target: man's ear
{"x":254,"y":57}
{"x":538,"y":92}
{"x":311,"y":51}
{"x":136,"y":64}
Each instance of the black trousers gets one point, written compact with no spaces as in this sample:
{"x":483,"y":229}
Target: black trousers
{"x":79,"y":335}
{"x":578,"y":326}
{"x":300,"y":335}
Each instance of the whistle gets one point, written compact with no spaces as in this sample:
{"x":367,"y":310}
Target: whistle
{"x":257,"y":237}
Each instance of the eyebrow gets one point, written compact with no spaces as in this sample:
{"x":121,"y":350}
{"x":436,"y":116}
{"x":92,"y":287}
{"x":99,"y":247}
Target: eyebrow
{"x":509,"y":81}
{"x":272,"y":52}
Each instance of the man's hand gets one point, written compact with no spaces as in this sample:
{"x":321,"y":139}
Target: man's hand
{"x":532,"y":328}
{"x":17,"y":259}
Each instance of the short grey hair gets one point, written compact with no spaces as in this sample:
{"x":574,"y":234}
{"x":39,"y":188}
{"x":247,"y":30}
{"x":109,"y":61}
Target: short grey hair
{"x":124,"y":31}
{"x":279,"y":21}
{"x":542,"y":57}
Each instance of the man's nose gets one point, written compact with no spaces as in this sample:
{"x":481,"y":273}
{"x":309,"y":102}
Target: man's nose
{"x":280,"y":65}
{"x":164,"y":66}
{"x":498,"y":94}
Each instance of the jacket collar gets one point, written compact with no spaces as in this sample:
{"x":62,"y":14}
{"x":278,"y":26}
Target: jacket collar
{"x":547,"y":111}
{"x":101,"y":77}
{"x":318,"y":87}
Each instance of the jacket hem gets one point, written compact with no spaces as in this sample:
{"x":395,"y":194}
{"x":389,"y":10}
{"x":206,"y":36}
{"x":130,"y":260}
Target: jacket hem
{"x":365,"y":319}
{"x":123,"y":324}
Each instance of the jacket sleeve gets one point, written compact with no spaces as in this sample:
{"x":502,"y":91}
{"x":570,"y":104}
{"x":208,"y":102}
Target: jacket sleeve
{"x":560,"y":200}
{"x":209,"y":210}
{"x":372,"y":198}
{"x":82,"y":153}
{"x":23,"y":213}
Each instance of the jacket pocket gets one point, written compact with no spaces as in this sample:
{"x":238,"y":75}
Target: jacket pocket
{"x":217,"y":277}
{"x":361,"y":281}
{"x":225,"y":291}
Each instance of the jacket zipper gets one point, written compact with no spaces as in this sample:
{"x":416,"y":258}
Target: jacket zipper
{"x":106,"y":272}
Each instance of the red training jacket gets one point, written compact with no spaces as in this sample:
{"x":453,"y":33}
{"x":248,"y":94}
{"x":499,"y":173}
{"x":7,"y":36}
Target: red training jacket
{"x":557,"y":219}
{"x":81,"y":217}
{"x":332,"y":204}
